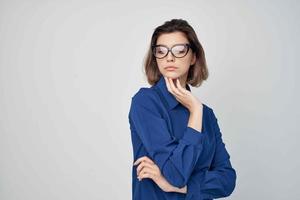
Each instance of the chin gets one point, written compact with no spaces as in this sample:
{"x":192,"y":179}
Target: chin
{"x":172,"y":75}
{"x":169,"y":75}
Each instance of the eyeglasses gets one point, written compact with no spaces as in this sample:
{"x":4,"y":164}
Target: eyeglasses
{"x":178,"y":50}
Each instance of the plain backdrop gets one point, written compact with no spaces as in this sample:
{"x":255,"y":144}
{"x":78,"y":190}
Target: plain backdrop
{"x":68,"y":70}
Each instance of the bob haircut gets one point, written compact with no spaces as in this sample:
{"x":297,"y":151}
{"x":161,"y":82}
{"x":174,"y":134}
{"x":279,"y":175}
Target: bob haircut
{"x":197,"y":73}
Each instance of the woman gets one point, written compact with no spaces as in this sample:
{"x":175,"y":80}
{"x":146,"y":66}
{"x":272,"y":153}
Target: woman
{"x":177,"y":143}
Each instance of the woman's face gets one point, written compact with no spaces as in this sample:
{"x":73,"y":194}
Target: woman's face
{"x":181,"y":65}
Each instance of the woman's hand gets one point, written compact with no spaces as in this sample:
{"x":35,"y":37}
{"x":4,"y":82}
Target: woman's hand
{"x":184,"y":96}
{"x":148,"y":169}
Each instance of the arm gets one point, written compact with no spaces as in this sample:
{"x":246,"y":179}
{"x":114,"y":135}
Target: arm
{"x":176,"y":159}
{"x":220,"y":179}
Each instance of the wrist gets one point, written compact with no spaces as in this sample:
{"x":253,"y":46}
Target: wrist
{"x":180,"y":190}
{"x":195,"y":112}
{"x":197,"y":109}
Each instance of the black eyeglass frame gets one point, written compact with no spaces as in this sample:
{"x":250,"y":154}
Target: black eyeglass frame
{"x":170,"y":50}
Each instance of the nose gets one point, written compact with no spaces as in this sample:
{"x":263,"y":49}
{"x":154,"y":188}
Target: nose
{"x":170,"y":56}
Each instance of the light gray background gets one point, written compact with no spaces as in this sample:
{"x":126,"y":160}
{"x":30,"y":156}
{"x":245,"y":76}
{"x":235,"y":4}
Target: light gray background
{"x":68,"y":71}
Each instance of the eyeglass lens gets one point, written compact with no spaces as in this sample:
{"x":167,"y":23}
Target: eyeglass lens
{"x":177,"y":50}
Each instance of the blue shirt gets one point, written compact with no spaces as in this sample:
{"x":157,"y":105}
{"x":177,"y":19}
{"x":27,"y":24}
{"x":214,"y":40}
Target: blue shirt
{"x":184,"y":155}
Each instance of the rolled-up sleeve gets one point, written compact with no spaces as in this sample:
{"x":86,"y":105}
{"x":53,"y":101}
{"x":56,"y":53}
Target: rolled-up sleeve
{"x":218,"y":181}
{"x":175,"y":158}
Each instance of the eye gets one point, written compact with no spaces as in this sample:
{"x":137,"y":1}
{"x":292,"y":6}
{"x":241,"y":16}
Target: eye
{"x":160,"y":50}
{"x":179,"y":49}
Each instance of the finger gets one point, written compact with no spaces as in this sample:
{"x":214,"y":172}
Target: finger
{"x":173,"y":87}
{"x":142,"y":165}
{"x":146,"y":175}
{"x":143,"y":158}
{"x":147,"y":172}
{"x":180,"y":88}
{"x":147,"y":169}
{"x":147,"y":159}
{"x":139,"y":160}
{"x":171,"y":84}
{"x":168,"y":85}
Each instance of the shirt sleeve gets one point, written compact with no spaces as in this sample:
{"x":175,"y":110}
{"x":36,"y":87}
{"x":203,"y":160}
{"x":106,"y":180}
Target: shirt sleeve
{"x":176,"y":159}
{"x":218,"y":181}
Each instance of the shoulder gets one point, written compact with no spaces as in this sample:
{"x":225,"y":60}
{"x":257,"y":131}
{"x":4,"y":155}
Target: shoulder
{"x":207,"y":107}
{"x":147,"y":98}
{"x":210,"y":111}
{"x":143,"y":93}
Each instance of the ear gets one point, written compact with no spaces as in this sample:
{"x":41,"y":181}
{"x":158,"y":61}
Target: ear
{"x":193,"y":59}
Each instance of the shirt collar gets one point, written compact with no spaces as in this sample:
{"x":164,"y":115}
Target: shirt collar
{"x":171,"y":100}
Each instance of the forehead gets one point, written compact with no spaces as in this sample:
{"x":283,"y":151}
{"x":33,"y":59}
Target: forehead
{"x":170,"y":39}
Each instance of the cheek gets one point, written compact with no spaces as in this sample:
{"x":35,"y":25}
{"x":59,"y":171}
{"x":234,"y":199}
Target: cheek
{"x":160,"y":63}
{"x":185,"y":64}
{"x":187,"y":59}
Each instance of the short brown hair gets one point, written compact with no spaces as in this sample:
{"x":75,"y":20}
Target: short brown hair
{"x":197,"y":72}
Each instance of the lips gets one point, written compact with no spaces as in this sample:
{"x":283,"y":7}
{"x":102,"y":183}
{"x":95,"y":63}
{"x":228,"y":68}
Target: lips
{"x":171,"y":67}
